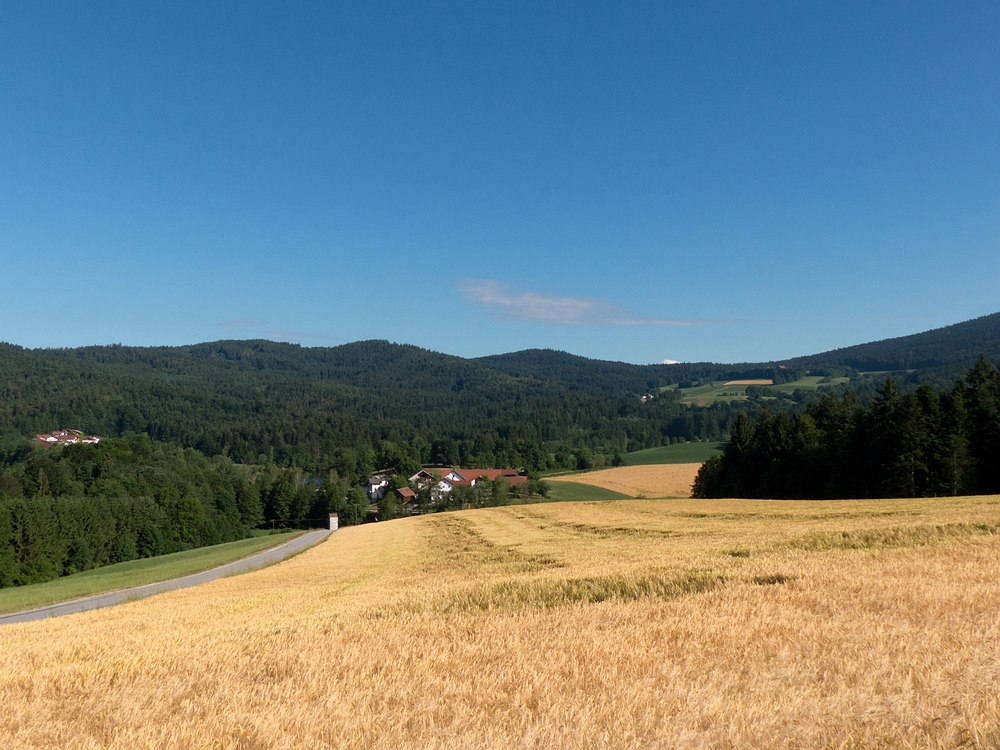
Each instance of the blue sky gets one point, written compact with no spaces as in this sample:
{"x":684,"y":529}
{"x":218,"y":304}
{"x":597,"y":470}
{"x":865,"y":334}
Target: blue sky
{"x":629,"y":181}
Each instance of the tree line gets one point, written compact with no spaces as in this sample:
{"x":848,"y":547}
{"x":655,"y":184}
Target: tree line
{"x":921,"y":443}
{"x":71,"y":508}
{"x":66,"y":509}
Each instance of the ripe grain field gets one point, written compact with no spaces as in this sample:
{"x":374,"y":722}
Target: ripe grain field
{"x":626,"y":624}
{"x":643,"y":481}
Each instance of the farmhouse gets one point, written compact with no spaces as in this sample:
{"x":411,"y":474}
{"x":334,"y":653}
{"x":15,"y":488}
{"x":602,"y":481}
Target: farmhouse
{"x":422,"y":478}
{"x":375,"y":487}
{"x":65,"y":437}
{"x":452,"y":478}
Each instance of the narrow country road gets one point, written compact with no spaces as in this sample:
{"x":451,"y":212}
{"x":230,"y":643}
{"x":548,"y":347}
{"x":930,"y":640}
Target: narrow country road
{"x":275,"y":554}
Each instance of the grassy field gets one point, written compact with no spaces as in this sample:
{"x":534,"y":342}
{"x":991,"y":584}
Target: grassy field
{"x":736,"y":391}
{"x":644,"y":481}
{"x":681,"y":624}
{"x":808,"y":383}
{"x":135,"y":573}
{"x":562,"y":490}
{"x":679,"y":453}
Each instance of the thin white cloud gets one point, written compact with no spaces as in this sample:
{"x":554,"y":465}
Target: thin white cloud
{"x":549,"y":308}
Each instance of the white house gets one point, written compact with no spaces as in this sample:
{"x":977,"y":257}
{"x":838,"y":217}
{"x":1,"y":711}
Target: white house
{"x":375,"y":487}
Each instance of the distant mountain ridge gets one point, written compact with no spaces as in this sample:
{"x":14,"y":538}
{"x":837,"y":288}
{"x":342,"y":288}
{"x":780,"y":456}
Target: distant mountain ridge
{"x":948,"y":350}
{"x":255,"y":397}
{"x":957,"y":346}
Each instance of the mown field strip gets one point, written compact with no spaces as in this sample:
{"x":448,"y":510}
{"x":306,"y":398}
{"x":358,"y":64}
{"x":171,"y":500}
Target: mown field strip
{"x":624,"y":624}
{"x":647,"y":481}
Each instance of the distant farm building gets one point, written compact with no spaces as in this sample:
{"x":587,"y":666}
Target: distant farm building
{"x":405,"y":495}
{"x":65,"y":437}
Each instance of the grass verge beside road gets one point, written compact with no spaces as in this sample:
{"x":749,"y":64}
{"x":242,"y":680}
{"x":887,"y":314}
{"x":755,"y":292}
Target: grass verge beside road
{"x":135,"y":573}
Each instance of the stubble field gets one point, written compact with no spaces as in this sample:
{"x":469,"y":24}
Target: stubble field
{"x":627,"y":624}
{"x":647,"y":481}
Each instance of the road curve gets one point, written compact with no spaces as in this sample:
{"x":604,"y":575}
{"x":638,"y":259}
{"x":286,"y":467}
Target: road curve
{"x":110,"y":598}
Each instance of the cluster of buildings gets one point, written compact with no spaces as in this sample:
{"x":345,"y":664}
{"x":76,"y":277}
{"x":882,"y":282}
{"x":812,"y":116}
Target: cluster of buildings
{"x":65,"y":437}
{"x":377,"y":486}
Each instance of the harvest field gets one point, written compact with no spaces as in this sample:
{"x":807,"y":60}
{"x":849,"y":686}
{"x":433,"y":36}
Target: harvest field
{"x":646,"y":481}
{"x":625,"y":624}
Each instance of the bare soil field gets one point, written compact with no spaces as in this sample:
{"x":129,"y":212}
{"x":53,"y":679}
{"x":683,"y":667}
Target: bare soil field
{"x":645,"y":624}
{"x":647,"y":481}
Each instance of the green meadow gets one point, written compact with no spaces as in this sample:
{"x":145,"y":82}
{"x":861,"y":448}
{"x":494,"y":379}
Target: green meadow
{"x":679,"y":453}
{"x":559,"y":491}
{"x":710,"y":393}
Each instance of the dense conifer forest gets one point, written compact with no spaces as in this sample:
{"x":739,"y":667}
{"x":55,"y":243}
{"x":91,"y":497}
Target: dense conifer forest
{"x":316,"y":409}
{"x":323,"y":408}
{"x":922,"y":443}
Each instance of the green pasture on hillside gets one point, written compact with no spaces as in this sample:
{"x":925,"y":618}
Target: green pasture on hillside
{"x":711,"y":393}
{"x":135,"y":573}
{"x":679,"y":453}
{"x":559,"y":491}
{"x":808,"y":383}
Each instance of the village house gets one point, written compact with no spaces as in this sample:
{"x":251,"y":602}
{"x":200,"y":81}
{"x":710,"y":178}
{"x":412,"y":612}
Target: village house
{"x":65,"y":437}
{"x":405,"y":495}
{"x":452,"y":478}
{"x":375,"y":487}
{"x":422,"y":478}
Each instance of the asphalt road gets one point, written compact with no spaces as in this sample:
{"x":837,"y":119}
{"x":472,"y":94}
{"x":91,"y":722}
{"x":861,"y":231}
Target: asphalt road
{"x":275,"y":554}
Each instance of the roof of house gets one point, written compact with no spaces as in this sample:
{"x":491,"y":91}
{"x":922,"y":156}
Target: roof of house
{"x":458,"y":482}
{"x":406,"y":493}
{"x":491,"y":474}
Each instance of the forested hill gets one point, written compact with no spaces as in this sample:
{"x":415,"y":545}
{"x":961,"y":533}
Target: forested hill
{"x":313,"y":407}
{"x":595,"y":374}
{"x":298,"y":406}
{"x":943,"y":354}
{"x":953,"y":349}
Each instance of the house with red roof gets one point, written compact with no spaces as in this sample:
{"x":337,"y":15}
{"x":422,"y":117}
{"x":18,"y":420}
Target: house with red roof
{"x":452,"y":478}
{"x":65,"y":437}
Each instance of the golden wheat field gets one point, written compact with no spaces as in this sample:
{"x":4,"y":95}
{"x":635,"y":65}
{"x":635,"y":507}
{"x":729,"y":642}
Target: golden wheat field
{"x":653,"y":480}
{"x":688,"y":624}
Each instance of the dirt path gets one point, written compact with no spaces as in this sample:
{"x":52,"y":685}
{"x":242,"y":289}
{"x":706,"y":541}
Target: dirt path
{"x":110,"y":598}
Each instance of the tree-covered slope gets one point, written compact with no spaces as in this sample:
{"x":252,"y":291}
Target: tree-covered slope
{"x":594,"y":374}
{"x":954,"y":347}
{"x":943,"y":353}
{"x":298,"y":406}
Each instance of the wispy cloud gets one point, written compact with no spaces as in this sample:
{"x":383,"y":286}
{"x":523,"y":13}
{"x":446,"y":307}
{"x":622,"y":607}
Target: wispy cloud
{"x":242,"y":323}
{"x":549,"y":308}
